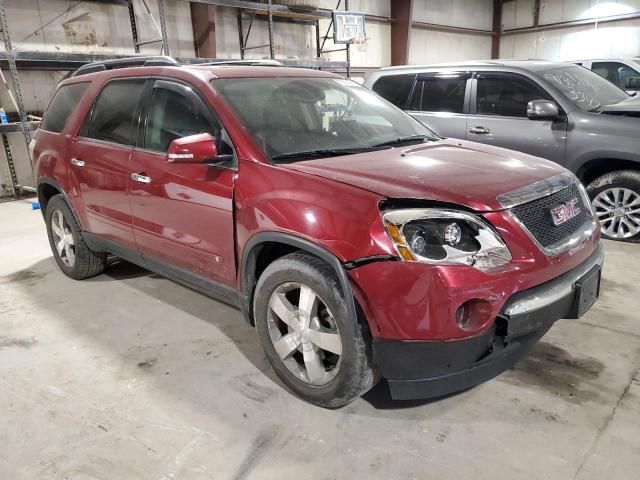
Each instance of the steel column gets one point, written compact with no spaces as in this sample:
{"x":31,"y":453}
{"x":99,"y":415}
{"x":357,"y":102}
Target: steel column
{"x":163,"y":28}
{"x":14,"y":79}
{"x":134,"y":26}
{"x":497,"y":29}
{"x":272,"y":52}
{"x":402,"y":13}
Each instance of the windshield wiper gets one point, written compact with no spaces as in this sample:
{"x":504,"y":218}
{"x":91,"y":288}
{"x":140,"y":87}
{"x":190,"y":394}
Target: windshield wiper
{"x":332,"y":152}
{"x":403,"y":140}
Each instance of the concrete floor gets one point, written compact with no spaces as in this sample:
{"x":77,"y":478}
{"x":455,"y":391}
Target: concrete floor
{"x":130,"y":376}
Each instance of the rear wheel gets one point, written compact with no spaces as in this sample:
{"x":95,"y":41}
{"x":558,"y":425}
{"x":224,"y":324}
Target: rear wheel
{"x":616,"y":201}
{"x":302,"y":322}
{"x":71,"y":253}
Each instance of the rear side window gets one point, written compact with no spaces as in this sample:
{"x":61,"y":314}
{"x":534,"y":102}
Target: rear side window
{"x":64,"y":102}
{"x":506,"y":95}
{"x":395,"y":88}
{"x":114,"y":116}
{"x":439,"y":93}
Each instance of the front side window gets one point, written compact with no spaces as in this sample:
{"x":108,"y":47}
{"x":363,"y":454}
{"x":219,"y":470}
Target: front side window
{"x":395,"y":88}
{"x":585,"y":89}
{"x":506,"y":95}
{"x":114,"y":117}
{"x":64,"y":102}
{"x":322,"y":116}
{"x":439,"y":93}
{"x":616,"y":72}
{"x":173,"y":115}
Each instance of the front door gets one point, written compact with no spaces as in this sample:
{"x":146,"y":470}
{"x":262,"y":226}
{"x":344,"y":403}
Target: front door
{"x":182,"y":213}
{"x":439,"y":101}
{"x":100,"y":161}
{"x":499,"y":117}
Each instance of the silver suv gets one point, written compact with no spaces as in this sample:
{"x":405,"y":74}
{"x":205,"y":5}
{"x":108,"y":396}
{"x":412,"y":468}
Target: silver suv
{"x":558,"y":111}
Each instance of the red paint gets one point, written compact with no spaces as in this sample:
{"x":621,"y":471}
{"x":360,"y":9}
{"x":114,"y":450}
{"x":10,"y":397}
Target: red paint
{"x":200,"y":217}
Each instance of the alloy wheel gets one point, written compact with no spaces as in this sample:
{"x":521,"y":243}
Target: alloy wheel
{"x":618,"y":210}
{"x":63,"y":239}
{"x":304,"y":333}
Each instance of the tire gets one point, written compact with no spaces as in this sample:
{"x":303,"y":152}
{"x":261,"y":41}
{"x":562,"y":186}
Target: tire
{"x":75,"y":260}
{"x":302,"y":4}
{"x":347,"y":375}
{"x":615,"y":198}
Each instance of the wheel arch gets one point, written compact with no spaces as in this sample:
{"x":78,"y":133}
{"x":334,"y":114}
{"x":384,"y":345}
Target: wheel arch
{"x":47,"y":188}
{"x":596,"y":167}
{"x":266,"y":247}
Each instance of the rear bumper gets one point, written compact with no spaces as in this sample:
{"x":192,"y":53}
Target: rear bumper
{"x":429,"y":369}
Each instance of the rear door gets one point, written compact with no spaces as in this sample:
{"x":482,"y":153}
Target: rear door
{"x":440,"y":101}
{"x":182,"y":213}
{"x":499,"y":116}
{"x":100,"y":160}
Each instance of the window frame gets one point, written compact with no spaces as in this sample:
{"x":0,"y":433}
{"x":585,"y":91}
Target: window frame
{"x":473,"y":101}
{"x":87,"y":85}
{"x":466,"y":105}
{"x":178,"y":86}
{"x":617,"y":70}
{"x":412,"y":84}
{"x":86,"y":122}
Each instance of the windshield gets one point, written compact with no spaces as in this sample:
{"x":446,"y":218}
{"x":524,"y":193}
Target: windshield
{"x":587,"y":90}
{"x":301,"y":118}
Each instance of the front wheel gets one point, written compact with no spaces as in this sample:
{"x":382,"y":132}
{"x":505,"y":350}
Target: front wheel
{"x":616,"y":201}
{"x":302,"y":322}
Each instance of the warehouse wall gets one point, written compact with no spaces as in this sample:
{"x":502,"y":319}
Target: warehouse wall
{"x":431,"y":46}
{"x":604,"y":40}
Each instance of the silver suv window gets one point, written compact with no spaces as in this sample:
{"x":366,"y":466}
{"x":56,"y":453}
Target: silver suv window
{"x":587,"y":90}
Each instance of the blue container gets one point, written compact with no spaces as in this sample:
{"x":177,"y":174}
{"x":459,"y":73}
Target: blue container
{"x":35,"y":206}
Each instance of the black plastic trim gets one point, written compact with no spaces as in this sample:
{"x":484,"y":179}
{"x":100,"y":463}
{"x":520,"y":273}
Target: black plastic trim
{"x":359,"y":262}
{"x":248,"y":282}
{"x":196,"y":282}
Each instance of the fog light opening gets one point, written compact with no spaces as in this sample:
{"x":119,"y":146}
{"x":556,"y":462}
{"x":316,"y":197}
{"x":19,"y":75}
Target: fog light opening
{"x":473,"y":314}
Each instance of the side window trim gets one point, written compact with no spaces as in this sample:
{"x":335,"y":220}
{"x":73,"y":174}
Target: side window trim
{"x":82,"y":134}
{"x":473,"y":100}
{"x":425,"y":75}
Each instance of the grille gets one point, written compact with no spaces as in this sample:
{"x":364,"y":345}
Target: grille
{"x":536,"y":216}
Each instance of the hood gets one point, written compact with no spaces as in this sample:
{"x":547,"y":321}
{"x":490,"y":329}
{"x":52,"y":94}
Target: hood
{"x":629,"y":107}
{"x":453,"y":171}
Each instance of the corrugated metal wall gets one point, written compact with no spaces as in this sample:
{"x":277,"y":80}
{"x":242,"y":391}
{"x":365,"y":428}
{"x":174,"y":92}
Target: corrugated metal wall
{"x":615,"y":39}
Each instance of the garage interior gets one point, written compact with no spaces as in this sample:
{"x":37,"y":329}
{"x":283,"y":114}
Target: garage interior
{"x":129,"y":375}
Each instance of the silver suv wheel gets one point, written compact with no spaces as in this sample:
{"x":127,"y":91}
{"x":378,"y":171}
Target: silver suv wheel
{"x":618,"y":210}
{"x":63,"y":239}
{"x":304,"y":333}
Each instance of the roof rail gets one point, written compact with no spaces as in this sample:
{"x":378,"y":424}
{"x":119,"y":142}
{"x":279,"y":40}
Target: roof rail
{"x":253,"y":63}
{"x":147,"y":61}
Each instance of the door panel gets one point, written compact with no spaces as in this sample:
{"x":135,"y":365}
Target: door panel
{"x":499,"y":117}
{"x":100,"y":173}
{"x":100,"y":160}
{"x":440,"y":101}
{"x":184,"y":214}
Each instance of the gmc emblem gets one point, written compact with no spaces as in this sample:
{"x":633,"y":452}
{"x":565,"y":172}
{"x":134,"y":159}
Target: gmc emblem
{"x":565,"y":212}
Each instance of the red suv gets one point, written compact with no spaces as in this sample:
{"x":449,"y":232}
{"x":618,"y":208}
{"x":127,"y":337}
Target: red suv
{"x":358,"y":243}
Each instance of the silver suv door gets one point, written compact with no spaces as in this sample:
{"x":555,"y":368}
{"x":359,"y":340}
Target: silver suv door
{"x":440,"y":101}
{"x":498,"y":116}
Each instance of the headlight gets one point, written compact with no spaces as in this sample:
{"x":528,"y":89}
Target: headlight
{"x":445,"y":237}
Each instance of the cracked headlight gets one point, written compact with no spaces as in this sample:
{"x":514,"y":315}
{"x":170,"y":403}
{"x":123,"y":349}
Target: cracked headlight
{"x":445,"y":237}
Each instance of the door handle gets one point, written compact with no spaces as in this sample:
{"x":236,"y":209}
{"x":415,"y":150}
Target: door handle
{"x":479,"y":130}
{"x":140,"y":178}
{"x":77,"y":162}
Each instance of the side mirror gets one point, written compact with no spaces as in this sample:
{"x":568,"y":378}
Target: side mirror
{"x":542,"y":110}
{"x":633,"y":83}
{"x":200,"y":148}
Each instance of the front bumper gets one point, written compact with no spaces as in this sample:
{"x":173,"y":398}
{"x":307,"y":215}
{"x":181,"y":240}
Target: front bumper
{"x":429,"y":369}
